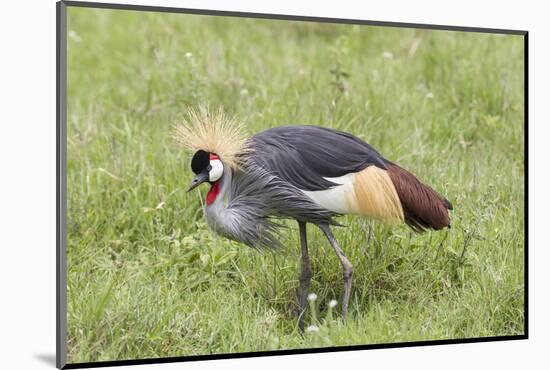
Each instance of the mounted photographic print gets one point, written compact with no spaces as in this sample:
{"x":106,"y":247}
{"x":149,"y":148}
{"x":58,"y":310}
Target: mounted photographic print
{"x":235,"y":184}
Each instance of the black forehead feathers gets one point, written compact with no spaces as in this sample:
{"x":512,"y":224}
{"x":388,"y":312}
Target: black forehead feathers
{"x":200,"y":161}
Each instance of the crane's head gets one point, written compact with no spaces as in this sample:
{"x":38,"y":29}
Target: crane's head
{"x":207,"y":166}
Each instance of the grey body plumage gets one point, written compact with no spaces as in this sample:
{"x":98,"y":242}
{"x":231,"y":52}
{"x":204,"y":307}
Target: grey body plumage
{"x":242,"y":212}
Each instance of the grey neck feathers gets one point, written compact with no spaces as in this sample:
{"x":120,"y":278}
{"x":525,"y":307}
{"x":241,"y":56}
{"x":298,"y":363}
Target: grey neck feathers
{"x":216,"y":213}
{"x":241,"y":211}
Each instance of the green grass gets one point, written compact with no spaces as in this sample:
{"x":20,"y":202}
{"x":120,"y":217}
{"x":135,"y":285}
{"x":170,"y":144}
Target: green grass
{"x":146,"y":277}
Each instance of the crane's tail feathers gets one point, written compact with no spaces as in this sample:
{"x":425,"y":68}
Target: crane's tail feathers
{"x":423,"y":207}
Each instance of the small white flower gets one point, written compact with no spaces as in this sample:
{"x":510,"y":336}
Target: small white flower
{"x":429,"y":95}
{"x":312,"y":329}
{"x":188,"y":55}
{"x":333,"y":303}
{"x":74,"y":36}
{"x":387,"y":55}
{"x":312,"y":297}
{"x":244,"y":92}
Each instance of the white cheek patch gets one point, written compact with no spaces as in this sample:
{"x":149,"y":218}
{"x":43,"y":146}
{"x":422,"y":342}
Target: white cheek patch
{"x":217,"y":170}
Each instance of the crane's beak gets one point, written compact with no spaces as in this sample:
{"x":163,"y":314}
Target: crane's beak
{"x":199,"y":179}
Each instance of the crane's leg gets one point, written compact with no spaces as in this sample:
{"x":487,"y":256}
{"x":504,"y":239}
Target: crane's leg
{"x":347,"y":268}
{"x":305,"y":275}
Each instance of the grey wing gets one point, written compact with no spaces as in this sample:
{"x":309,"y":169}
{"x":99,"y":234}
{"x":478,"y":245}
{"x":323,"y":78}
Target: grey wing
{"x":305,"y":155}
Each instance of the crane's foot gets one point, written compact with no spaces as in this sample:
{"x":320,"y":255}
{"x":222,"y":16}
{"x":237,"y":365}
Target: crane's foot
{"x":348,"y":274}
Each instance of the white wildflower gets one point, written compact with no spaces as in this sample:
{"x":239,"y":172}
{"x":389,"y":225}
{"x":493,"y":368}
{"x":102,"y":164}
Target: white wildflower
{"x":188,"y":55}
{"x":312,"y":329}
{"x":429,"y":95}
{"x":74,"y":36}
{"x":244,"y":92}
{"x":387,"y":55}
{"x":333,"y":303}
{"x":312,"y":297}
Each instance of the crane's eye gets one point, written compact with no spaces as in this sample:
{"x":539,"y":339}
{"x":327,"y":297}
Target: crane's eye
{"x":209,"y":167}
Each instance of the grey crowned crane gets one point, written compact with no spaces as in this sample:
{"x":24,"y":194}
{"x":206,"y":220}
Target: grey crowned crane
{"x":306,"y":173}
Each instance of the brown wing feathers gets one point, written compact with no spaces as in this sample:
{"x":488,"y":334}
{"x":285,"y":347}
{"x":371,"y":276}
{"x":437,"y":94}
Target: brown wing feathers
{"x":423,"y":207}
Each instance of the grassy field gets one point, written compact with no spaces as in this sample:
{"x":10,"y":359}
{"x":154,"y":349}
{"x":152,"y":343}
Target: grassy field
{"x":147,"y":278}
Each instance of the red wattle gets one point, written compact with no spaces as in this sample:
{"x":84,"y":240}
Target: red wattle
{"x":212,"y":193}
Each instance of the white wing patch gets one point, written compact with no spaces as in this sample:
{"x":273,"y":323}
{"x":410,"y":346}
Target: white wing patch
{"x":340,"y":199}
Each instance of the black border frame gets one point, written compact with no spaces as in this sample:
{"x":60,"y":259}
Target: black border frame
{"x":61,"y":185}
